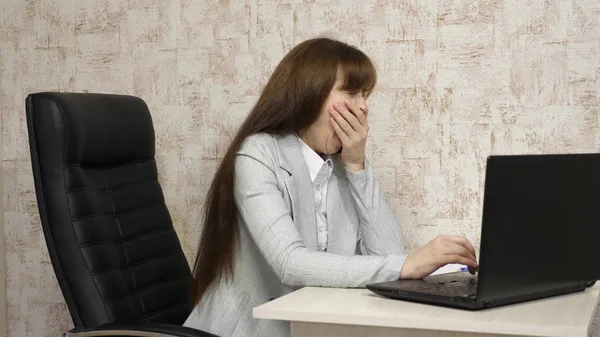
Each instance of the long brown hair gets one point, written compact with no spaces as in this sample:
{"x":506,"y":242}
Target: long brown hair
{"x":291,"y":101}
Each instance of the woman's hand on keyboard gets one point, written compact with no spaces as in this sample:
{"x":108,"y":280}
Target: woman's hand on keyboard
{"x":439,"y":252}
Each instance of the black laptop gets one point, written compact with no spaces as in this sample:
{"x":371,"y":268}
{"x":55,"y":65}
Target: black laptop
{"x":539,"y":236}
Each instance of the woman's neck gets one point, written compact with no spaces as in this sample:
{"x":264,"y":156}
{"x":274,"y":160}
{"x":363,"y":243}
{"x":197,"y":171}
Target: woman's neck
{"x":306,"y":140}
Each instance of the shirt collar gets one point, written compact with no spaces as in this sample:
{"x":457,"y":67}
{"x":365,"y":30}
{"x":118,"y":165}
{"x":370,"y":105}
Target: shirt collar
{"x":313,"y":160}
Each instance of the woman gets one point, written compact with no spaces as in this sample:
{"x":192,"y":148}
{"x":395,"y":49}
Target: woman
{"x":295,"y":203}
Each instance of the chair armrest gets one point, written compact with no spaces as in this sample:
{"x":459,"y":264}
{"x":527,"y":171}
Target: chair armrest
{"x":140,"y":330}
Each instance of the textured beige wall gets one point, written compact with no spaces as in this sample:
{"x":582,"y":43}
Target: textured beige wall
{"x":459,"y":80}
{"x":3,"y":328}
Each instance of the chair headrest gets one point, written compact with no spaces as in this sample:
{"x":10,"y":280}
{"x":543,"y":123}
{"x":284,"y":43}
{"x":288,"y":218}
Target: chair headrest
{"x":98,"y":130}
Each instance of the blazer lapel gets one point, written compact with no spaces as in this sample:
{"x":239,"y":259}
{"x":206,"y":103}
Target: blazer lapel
{"x":299,"y":188}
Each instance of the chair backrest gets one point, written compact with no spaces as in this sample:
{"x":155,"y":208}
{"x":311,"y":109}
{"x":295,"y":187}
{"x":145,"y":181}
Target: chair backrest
{"x":110,"y":237}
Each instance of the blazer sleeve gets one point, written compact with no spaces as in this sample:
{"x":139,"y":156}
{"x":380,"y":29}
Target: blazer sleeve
{"x":262,"y":209}
{"x":380,"y":232}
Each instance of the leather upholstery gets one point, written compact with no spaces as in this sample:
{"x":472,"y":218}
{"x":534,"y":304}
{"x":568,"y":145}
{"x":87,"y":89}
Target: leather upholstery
{"x":108,"y":231}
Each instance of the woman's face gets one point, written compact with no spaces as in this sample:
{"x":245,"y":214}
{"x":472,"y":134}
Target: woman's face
{"x":320,"y":135}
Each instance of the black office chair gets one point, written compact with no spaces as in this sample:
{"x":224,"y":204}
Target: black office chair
{"x":111,"y":241}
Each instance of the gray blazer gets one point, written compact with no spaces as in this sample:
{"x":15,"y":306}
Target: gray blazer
{"x":277,"y":250}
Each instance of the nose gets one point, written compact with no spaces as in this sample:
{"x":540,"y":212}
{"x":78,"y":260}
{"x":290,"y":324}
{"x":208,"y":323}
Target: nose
{"x":361,"y":103}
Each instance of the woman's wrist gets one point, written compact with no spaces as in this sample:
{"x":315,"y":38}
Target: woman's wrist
{"x":355,"y":167}
{"x":406,"y":273}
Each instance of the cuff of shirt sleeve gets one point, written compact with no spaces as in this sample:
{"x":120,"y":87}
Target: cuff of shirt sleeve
{"x":359,"y":175}
{"x":393,"y":267}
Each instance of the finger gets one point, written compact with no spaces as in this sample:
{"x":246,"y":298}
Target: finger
{"x":472,"y":270}
{"x":456,"y":249}
{"x":461,"y":240}
{"x":348,"y":117}
{"x":339,"y":131}
{"x":447,"y":259}
{"x":449,"y":245}
{"x":341,"y":121}
{"x":360,"y":115}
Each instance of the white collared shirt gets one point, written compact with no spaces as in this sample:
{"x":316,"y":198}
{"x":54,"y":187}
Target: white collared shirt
{"x":320,"y":170}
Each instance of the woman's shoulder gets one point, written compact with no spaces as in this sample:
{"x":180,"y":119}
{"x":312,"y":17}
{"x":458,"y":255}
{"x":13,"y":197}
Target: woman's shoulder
{"x":260,"y":146}
{"x":258,"y":142}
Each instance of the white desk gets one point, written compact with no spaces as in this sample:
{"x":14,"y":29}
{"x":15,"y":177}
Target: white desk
{"x":320,"y":312}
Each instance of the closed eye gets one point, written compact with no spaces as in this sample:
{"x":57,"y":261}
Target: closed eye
{"x":363,"y":93}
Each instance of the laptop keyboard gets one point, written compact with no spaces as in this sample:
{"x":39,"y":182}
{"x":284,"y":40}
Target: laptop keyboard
{"x":450,"y":288}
